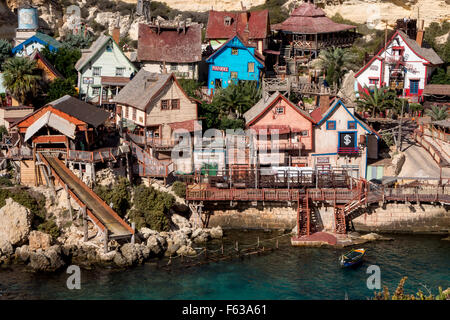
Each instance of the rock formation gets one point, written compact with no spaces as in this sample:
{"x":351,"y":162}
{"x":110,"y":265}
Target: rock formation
{"x":15,"y":223}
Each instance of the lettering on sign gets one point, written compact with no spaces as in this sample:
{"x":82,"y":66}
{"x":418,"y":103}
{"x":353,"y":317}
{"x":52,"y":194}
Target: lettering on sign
{"x":374,"y":68}
{"x":217,"y":68}
{"x":323,"y":160}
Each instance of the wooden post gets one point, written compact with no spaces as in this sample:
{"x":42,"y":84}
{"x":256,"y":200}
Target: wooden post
{"x":105,"y":240}
{"x":85,"y":224}
{"x":258,"y":243}
{"x":68,"y":201}
{"x":133,"y":236}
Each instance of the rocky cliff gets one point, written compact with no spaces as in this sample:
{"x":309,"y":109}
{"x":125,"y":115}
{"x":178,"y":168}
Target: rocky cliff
{"x":106,"y":13}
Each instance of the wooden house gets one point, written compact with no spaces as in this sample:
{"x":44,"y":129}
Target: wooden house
{"x":171,"y":48}
{"x":404,"y":65}
{"x":103,"y":70}
{"x":49,"y":72}
{"x":342,"y":140}
{"x":152,"y":107}
{"x":281,"y":126}
{"x":252,"y":26}
{"x":65,"y":125}
{"x":234,"y":61}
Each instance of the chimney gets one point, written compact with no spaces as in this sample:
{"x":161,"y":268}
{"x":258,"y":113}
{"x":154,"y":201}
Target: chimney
{"x":420,"y":33}
{"x":116,"y":35}
{"x":324,"y":103}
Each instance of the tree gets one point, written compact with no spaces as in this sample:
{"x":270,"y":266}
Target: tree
{"x":64,"y":61}
{"x":5,"y":51}
{"x":437,"y":113}
{"x":21,"y":78}
{"x":378,"y":100}
{"x":191,"y":87}
{"x":237,"y":98}
{"x":440,"y":76}
{"x":336,"y":62}
{"x":59,"y":88}
{"x":80,"y":41}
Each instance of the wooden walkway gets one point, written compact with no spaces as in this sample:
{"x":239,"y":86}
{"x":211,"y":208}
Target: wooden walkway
{"x":100,"y":213}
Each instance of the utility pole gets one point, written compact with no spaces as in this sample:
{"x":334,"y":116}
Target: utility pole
{"x":399,"y":140}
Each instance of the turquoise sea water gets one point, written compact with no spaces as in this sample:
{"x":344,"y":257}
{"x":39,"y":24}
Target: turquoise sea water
{"x":287,"y":273}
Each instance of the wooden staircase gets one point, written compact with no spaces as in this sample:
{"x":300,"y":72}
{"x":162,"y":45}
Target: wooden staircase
{"x":303,"y":216}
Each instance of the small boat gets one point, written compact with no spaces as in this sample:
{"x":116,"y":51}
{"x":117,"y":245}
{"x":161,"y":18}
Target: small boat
{"x":352,"y":257}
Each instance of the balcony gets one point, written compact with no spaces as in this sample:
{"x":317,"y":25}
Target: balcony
{"x":348,"y":151}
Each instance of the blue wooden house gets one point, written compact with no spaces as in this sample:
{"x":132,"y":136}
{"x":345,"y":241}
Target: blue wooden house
{"x":37,"y":41}
{"x":234,"y":61}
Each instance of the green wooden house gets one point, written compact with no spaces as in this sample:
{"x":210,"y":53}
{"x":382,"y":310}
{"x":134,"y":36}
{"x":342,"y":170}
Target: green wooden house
{"x":103,"y":70}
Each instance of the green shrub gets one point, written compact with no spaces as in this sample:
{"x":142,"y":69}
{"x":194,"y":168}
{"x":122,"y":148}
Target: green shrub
{"x":119,"y":195}
{"x":179,"y":188}
{"x":151,"y":208}
{"x":4,"y":181}
{"x":50,"y":227}
{"x":4,"y":194}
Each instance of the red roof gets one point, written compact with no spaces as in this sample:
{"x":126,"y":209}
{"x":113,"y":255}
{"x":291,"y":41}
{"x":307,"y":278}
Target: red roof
{"x":309,"y":19}
{"x":170,"y":45}
{"x":258,"y":24}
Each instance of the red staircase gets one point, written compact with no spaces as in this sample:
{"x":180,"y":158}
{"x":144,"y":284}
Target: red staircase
{"x":340,"y":223}
{"x":303,"y":219}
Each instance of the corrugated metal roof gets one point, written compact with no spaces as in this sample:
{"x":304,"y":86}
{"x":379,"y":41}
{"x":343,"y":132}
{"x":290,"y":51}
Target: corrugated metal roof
{"x":309,"y":19}
{"x":52,"y":120}
{"x":258,"y":24}
{"x":170,"y":45}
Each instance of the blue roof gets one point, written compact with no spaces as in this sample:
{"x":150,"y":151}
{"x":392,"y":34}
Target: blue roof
{"x":237,"y":42}
{"x":340,"y":103}
{"x":41,"y":38}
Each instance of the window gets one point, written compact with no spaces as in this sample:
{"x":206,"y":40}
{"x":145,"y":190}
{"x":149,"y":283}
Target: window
{"x":191,"y":67}
{"x":97,"y":71}
{"x":331,"y":125}
{"x":109,"y":48}
{"x":165,"y":104}
{"x":414,"y":86}
{"x":95,"y":91}
{"x":120,"y":72}
{"x":175,"y":104}
{"x":373,"y":81}
{"x":173,"y":67}
{"x":251,"y":67}
{"x":227,"y":21}
{"x":234,"y":75}
{"x":351,"y":125}
{"x":134,"y":114}
{"x":304,"y":133}
{"x":279,"y":110}
{"x":234,"y":51}
{"x":127,"y":112}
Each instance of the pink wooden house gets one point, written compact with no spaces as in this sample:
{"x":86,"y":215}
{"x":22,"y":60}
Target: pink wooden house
{"x":283,"y":127}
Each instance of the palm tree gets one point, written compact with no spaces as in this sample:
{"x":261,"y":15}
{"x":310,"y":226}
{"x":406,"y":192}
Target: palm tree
{"x":21,"y":78}
{"x":378,"y":100}
{"x":437,"y":113}
{"x":236,"y":99}
{"x":336,"y":62}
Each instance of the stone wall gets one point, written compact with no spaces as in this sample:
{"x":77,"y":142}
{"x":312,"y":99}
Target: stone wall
{"x":271,"y":216}
{"x":424,"y":218}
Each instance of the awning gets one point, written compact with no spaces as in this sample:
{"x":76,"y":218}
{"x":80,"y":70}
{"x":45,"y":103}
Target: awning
{"x":115,"y":81}
{"x":52,"y":120}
